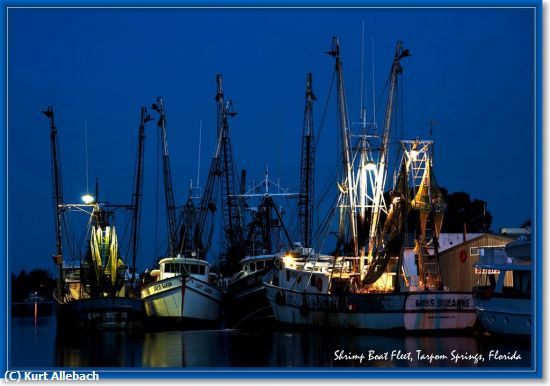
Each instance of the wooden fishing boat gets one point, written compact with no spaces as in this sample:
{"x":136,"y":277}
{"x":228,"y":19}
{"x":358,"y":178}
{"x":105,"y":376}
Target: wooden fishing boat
{"x":366,"y":283}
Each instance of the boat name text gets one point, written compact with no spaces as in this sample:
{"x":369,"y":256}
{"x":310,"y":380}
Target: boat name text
{"x":442,"y":303}
{"x":107,"y":316}
{"x":162,"y":286}
{"x":201,"y":287}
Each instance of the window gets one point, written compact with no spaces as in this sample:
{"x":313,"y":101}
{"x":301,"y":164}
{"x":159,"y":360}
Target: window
{"x":260,"y":265}
{"x":474,"y":251}
{"x":252,"y":267}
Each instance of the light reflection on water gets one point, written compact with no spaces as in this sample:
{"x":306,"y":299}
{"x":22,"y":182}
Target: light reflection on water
{"x":39,"y":346}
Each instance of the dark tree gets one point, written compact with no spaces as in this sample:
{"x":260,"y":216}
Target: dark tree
{"x":462,"y":210}
{"x":37,"y":281}
{"x":20,"y":286}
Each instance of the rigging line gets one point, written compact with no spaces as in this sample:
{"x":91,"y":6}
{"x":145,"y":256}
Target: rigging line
{"x":321,"y":242}
{"x":69,"y":235}
{"x":327,"y":220}
{"x":156,"y":248}
{"x":124,"y":240}
{"x":381,"y":100}
{"x":323,"y":116}
{"x":362,"y":107}
{"x":373,"y":93}
{"x":129,"y":215}
{"x":327,"y":189}
{"x":199,"y":155}
{"x":401,"y":104}
{"x":75,"y":247}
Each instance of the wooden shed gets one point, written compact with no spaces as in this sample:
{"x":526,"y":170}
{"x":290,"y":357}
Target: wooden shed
{"x":457,"y":263}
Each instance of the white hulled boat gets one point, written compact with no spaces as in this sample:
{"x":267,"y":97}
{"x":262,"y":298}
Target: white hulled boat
{"x":503,"y":296}
{"x":183,"y":289}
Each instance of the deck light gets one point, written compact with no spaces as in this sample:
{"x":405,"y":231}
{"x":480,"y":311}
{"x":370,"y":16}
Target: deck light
{"x":88,"y":199}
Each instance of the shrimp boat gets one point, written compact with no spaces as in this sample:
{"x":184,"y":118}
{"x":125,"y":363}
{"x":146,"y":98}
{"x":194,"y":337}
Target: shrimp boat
{"x":503,"y":298}
{"x":94,"y":290}
{"x":182,"y":290}
{"x":366,"y":283}
{"x":245,"y":298}
{"x":246,"y":301}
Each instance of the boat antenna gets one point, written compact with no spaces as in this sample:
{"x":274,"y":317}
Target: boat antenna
{"x":432,"y":123}
{"x":363,"y":109}
{"x":266,"y":178}
{"x":373,"y":93}
{"x":96,"y":189}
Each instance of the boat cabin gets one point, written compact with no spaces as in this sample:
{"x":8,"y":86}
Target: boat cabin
{"x":177,"y":266}
{"x":500,"y":273}
{"x":297,"y":271}
{"x":252,"y":264}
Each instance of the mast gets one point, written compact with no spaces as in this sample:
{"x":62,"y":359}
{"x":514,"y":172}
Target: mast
{"x":168,"y":192}
{"x":382,"y":166}
{"x":207,"y":202}
{"x":207,"y":205}
{"x":305,"y":203}
{"x":57,"y":199}
{"x":346,"y":187}
{"x":138,"y":187}
{"x":230,"y":205}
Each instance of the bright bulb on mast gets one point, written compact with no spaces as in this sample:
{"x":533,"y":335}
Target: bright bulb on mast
{"x":88,"y":198}
{"x":370,"y":166}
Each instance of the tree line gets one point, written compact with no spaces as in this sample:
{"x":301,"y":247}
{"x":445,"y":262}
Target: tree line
{"x":37,"y":281}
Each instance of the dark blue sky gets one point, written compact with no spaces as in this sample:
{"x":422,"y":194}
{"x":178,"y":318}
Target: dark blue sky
{"x":471,"y":70}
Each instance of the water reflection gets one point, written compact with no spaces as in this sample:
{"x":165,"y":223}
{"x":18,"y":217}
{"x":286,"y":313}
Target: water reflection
{"x":40,"y":346}
{"x":98,"y":349}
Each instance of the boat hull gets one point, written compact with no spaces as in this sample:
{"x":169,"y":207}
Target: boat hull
{"x":246,"y":301}
{"x":195,"y":301}
{"x":505,"y":315}
{"x":111,"y":313}
{"x":374,"y":311}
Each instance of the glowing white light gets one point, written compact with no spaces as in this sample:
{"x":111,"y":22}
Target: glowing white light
{"x":370,"y":166}
{"x":88,"y":198}
{"x":414,"y":154}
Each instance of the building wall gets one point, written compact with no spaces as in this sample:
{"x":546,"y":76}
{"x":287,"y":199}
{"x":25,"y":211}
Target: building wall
{"x":458,"y":275}
{"x":449,"y":240}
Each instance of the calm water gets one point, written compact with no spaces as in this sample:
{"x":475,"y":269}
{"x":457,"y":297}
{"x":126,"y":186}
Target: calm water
{"x":36,"y":344}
